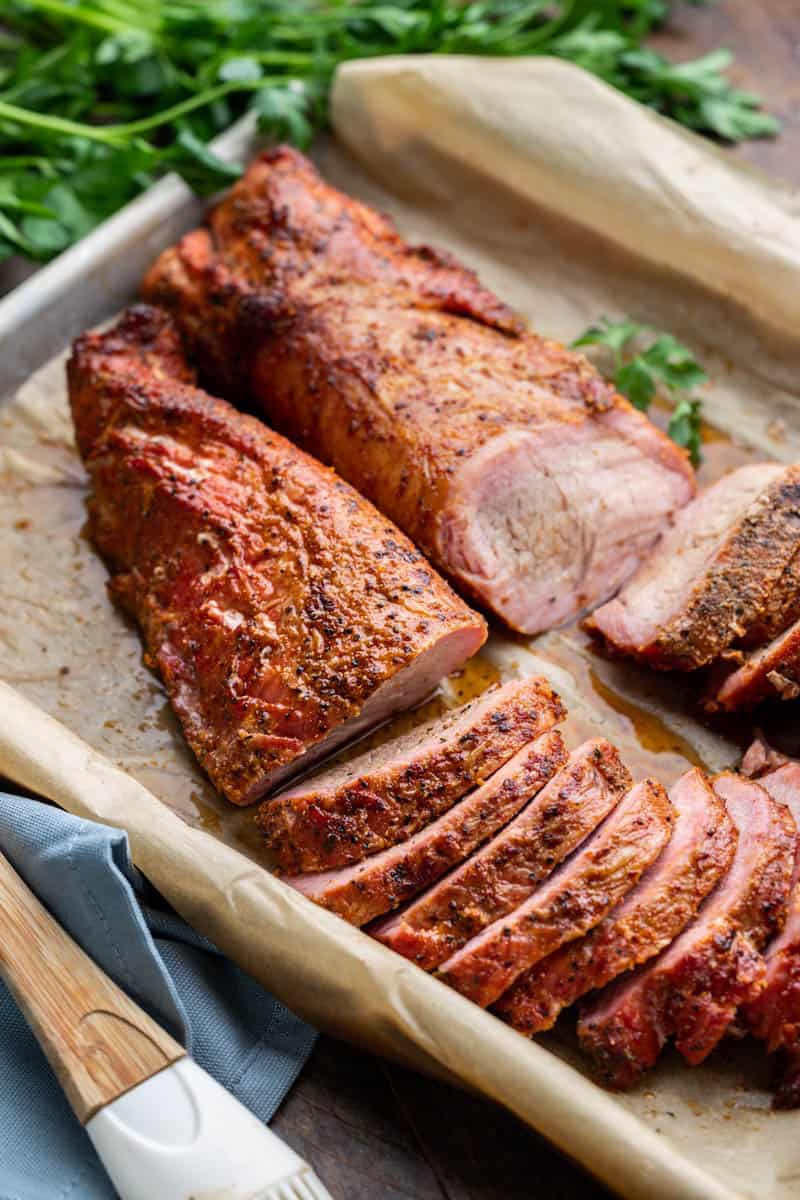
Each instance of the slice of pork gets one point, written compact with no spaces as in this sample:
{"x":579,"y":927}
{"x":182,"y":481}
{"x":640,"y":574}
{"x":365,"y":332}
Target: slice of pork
{"x":508,"y":868}
{"x":711,"y":577}
{"x":775,"y":1015}
{"x":770,"y":673}
{"x":575,"y":898}
{"x":526,"y":528}
{"x":693,"y":989}
{"x":384,"y":796}
{"x":760,"y":757}
{"x":380,"y":883}
{"x":659,"y":907}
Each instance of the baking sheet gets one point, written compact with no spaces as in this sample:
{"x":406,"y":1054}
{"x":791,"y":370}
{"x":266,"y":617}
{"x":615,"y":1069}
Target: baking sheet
{"x":485,"y":158}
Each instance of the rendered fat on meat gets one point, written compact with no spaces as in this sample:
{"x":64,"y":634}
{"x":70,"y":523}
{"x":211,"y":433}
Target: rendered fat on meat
{"x":384,"y":796}
{"x":666,"y":898}
{"x":713,"y":575}
{"x":282,"y":612}
{"x":508,"y":868}
{"x":573,"y":900}
{"x":693,"y":989}
{"x":380,"y":883}
{"x":504,"y":456}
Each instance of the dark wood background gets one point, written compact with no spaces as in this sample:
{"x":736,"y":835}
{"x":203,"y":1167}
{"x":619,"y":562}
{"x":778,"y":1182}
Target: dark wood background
{"x":372,"y":1130}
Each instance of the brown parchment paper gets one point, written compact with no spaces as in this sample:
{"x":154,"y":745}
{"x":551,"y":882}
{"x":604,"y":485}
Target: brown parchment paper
{"x":571,"y":202}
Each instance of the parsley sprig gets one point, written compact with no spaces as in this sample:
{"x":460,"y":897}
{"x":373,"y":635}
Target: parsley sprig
{"x":100,"y":97}
{"x":662,"y":366}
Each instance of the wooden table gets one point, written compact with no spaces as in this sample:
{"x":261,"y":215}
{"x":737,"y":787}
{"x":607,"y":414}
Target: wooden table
{"x":373,"y":1130}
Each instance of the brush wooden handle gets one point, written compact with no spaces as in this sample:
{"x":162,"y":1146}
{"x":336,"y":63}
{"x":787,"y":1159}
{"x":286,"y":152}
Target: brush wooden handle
{"x":99,"y":1043}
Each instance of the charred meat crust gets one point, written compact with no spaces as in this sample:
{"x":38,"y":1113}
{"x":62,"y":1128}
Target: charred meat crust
{"x":274,"y":601}
{"x":366,"y":810}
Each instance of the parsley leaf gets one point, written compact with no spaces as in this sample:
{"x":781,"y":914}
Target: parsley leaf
{"x":663,"y":367}
{"x":287,"y":113}
{"x":203,"y":170}
{"x":124,"y":90}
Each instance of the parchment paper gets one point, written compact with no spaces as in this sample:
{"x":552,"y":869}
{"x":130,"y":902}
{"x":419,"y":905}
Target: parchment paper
{"x":571,"y":202}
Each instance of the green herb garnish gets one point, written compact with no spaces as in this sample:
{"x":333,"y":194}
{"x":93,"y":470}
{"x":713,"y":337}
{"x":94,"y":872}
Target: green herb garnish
{"x":100,"y":97}
{"x":664,"y":367}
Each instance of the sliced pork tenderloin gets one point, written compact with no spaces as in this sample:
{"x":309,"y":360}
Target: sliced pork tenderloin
{"x":505,"y":457}
{"x":693,"y":989}
{"x":573,"y":900}
{"x":782,"y":608}
{"x":651,"y":915}
{"x":384,"y":796}
{"x":713,"y":574}
{"x":366,"y":890}
{"x":760,"y":757}
{"x":770,"y":673}
{"x":775,"y":1015}
{"x":283,"y":613}
{"x":508,"y":868}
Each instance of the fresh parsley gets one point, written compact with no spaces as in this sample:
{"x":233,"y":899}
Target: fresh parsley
{"x":100,"y":97}
{"x":643,"y":364}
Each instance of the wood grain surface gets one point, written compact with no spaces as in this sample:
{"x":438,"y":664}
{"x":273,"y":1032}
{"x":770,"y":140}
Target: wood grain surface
{"x":99,"y":1043}
{"x":373,"y":1130}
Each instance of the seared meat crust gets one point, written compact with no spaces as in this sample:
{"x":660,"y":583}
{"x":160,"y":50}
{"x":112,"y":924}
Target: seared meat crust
{"x":718,"y":575}
{"x":575,"y":898}
{"x":282,"y":612}
{"x":383,"y":797}
{"x":507,"y":869}
{"x":392,"y":363}
{"x":693,"y":990}
{"x":661,"y":905}
{"x":383,"y":881}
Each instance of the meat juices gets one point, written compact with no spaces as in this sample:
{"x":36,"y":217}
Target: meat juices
{"x":666,"y":898}
{"x":505,"y":457}
{"x":283,"y":613}
{"x":383,"y":881}
{"x":508,"y":868}
{"x":693,"y":990}
{"x":713,"y":576}
{"x":386,"y":795}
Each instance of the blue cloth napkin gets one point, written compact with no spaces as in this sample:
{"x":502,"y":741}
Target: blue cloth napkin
{"x":243,"y":1037}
